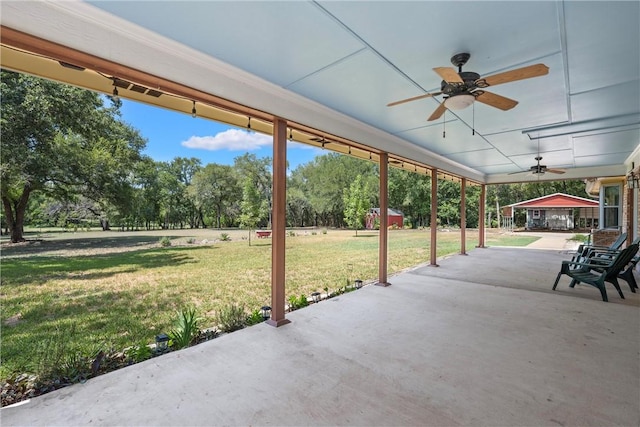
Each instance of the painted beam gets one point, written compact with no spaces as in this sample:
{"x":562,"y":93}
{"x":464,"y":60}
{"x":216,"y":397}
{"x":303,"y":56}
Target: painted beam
{"x":278,"y":223}
{"x":463,"y":216}
{"x":384,"y":220}
{"x":481,"y":216}
{"x":434,"y":217}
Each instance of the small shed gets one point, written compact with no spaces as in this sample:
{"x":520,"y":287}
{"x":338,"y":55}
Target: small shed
{"x":395,"y":218}
{"x":557,"y":211}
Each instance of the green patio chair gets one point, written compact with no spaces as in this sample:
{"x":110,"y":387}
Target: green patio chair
{"x":597,"y":273}
{"x":627,"y":274}
{"x":584,"y":250}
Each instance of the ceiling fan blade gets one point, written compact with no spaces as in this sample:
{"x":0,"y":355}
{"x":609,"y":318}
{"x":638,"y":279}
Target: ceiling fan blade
{"x":415,"y":98}
{"x":519,"y":74}
{"x":497,"y":101}
{"x":558,"y":171}
{"x":514,"y":173}
{"x":448,"y":74}
{"x":438,"y":112}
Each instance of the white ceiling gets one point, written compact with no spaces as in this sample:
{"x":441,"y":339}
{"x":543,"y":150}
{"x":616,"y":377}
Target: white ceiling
{"x":356,"y":57}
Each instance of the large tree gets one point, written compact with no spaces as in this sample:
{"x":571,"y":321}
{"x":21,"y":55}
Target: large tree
{"x":61,"y":140}
{"x":215,"y":189}
{"x":356,"y":203}
{"x":252,"y":206}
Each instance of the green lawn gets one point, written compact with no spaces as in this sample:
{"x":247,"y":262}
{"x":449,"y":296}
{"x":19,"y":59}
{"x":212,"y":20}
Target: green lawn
{"x":127,"y":296}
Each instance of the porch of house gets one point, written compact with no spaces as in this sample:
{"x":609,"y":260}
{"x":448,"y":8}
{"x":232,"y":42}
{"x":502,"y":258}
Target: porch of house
{"x":480,"y":340}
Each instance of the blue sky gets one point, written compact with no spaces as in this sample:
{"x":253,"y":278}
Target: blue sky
{"x":170,"y":134}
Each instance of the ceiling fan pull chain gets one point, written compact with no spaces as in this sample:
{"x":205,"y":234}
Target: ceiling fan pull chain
{"x":444,"y":125}
{"x":473,"y":119}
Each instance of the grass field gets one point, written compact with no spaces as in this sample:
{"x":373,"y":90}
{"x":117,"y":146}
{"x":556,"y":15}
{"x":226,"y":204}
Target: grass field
{"x":118,"y":289}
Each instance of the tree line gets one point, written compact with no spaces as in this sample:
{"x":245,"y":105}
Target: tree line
{"x":68,"y":159}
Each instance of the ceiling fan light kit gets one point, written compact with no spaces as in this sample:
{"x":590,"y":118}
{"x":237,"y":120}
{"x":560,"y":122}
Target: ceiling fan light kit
{"x":459,"y":102}
{"x":460,"y":88}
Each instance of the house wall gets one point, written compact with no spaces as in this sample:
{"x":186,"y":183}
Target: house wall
{"x":553,"y":219}
{"x":395,"y":219}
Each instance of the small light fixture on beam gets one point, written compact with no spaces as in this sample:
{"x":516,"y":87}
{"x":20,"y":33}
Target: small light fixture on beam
{"x":633,"y":179}
{"x":249,"y":123}
{"x":115,"y":95}
{"x":194,"y":113}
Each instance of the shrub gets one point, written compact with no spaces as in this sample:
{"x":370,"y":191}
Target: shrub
{"x":231,"y":317}
{"x":138,"y":353}
{"x":254,"y":318}
{"x":165,"y":241}
{"x":297,"y":302}
{"x":191,"y":240}
{"x":225,"y":237}
{"x":185,"y":330}
{"x":291,"y":233}
{"x":324,"y":231}
{"x":313,"y":233}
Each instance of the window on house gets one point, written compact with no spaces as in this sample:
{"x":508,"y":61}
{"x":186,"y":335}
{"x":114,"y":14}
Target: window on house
{"x":536,"y":214}
{"x":612,"y":206}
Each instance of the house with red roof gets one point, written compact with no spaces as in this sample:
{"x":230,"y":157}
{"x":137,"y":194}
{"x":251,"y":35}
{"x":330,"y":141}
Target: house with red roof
{"x":557,"y":211}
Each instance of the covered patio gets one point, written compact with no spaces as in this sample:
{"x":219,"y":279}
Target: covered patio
{"x":480,"y":341}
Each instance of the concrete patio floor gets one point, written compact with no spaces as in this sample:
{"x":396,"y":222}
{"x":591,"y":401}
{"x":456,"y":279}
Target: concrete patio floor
{"x":479,"y":341}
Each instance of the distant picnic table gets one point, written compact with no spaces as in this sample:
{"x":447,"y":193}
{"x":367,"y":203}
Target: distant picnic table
{"x":263,"y":233}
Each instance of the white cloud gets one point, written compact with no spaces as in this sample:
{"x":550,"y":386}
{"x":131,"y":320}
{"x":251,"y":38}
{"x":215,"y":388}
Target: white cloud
{"x":231,"y":140}
{"x":239,"y":140}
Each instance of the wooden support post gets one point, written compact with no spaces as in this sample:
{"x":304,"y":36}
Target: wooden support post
{"x":481,"y":216}
{"x":384,"y":220}
{"x":278,"y":226}
{"x":463,"y":216}
{"x":434,"y":217}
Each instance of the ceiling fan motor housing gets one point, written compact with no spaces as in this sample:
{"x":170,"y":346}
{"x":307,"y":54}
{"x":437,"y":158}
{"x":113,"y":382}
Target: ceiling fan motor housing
{"x":453,"y":88}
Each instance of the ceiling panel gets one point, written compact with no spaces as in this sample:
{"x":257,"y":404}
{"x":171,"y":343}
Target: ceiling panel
{"x":346,"y":87}
{"x":603,"y":43}
{"x":600,"y":160}
{"x":609,"y":142}
{"x":517,"y":143}
{"x":458,"y":138}
{"x":618,"y":100}
{"x":279,"y":41}
{"x":480,"y":158}
{"x":417,"y":36}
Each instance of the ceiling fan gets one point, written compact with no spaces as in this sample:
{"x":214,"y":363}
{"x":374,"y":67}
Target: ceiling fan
{"x":461,"y":88}
{"x":539,"y":169}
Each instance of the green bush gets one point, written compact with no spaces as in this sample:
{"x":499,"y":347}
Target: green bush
{"x":185,"y":329}
{"x":291,"y":233}
{"x":138,"y":353}
{"x":191,"y":240}
{"x":297,"y":302}
{"x":165,"y":241}
{"x":225,"y":237}
{"x":231,"y":317}
{"x":254,"y":318}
